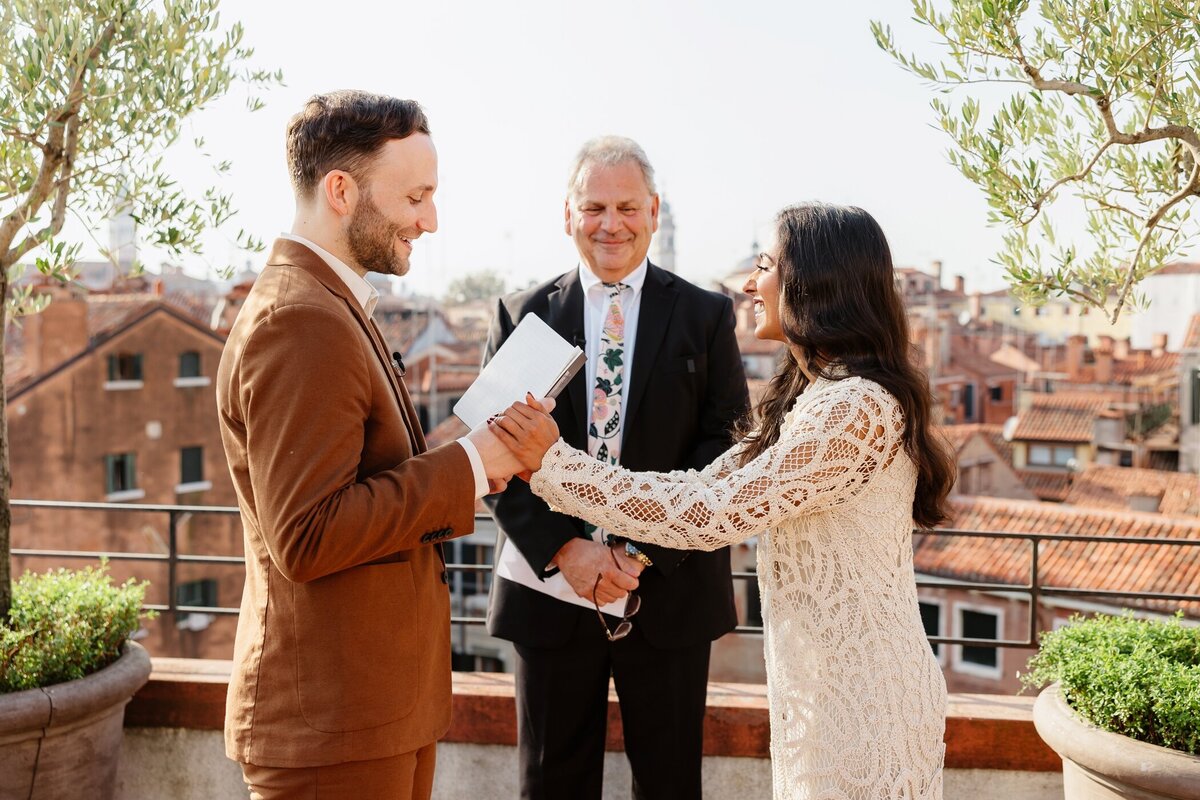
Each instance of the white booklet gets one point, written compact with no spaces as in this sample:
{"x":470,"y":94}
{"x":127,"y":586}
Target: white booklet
{"x":533,"y":359}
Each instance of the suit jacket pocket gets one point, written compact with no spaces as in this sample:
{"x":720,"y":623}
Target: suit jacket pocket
{"x":357,"y":647}
{"x":695,"y":364}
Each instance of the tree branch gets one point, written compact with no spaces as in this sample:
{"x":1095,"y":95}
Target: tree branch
{"x":53,"y":156}
{"x":1192,"y":185}
{"x":1036,"y":205}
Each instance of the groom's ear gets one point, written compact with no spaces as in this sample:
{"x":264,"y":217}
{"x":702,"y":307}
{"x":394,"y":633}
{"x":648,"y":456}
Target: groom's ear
{"x":340,"y":191}
{"x":567,"y":217}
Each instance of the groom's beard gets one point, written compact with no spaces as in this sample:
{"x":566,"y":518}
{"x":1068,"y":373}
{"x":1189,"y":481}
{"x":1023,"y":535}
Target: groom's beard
{"x":372,"y":240}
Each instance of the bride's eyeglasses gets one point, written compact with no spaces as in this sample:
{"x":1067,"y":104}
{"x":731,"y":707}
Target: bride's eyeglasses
{"x":624,"y":627}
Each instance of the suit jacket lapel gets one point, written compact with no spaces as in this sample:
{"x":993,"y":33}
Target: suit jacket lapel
{"x":398,"y":386}
{"x":654,"y":318}
{"x":287,"y":252}
{"x":565,"y":316}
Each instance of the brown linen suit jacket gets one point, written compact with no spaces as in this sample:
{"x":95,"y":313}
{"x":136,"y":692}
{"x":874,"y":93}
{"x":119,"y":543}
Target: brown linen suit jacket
{"x":343,"y":644}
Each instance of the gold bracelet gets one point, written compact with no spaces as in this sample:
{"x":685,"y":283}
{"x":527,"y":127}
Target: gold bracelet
{"x":633,"y":552}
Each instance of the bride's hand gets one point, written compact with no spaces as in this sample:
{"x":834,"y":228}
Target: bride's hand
{"x":528,"y":430}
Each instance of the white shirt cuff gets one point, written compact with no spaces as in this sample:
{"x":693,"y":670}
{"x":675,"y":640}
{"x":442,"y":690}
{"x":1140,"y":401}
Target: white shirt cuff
{"x":481,"y":481}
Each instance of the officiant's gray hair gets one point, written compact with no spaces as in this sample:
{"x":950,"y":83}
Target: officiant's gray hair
{"x":609,"y":151}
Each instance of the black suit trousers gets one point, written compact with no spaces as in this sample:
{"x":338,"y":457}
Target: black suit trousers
{"x":562,"y":714}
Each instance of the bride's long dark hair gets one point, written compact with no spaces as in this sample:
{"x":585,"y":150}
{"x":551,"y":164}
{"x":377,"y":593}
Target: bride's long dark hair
{"x":838,"y":305}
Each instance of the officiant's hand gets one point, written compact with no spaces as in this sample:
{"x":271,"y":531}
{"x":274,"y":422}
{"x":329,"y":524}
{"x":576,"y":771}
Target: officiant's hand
{"x":528,"y":430}
{"x":581,"y":560}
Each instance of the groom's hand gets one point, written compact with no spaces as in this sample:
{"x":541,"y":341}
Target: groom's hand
{"x":581,"y":560}
{"x":499,"y":462}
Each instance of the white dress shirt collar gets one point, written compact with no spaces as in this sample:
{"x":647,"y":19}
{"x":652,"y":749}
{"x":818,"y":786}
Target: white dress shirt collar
{"x":366,"y":294}
{"x":633,"y":280}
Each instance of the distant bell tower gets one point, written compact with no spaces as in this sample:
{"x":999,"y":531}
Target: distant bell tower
{"x":122,"y":232}
{"x":662,"y":253}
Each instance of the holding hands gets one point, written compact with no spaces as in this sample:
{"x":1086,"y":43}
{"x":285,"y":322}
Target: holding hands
{"x":513,"y":444}
{"x":528,"y":430}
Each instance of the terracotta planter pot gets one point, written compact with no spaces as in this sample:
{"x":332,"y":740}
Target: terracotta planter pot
{"x":1098,"y":765}
{"x":62,"y":742}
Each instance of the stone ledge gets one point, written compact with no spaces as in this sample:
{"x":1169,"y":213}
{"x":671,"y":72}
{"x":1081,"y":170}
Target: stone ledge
{"x":982,"y":731}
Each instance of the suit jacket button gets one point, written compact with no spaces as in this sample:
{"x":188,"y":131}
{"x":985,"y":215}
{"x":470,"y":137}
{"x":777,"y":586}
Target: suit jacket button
{"x":445,"y":577}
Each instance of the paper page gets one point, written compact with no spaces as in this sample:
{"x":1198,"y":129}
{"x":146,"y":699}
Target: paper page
{"x":513,"y":566}
{"x":533,"y":359}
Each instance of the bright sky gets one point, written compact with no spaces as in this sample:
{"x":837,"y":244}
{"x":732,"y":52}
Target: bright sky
{"x":742,"y":107}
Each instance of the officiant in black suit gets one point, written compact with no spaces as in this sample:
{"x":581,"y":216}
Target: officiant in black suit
{"x":661,"y":390}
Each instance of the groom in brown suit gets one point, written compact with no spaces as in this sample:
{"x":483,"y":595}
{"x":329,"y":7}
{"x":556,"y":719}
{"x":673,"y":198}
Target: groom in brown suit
{"x":341,"y":673}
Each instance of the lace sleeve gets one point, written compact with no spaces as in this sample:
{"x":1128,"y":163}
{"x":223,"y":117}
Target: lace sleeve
{"x":722,"y":466}
{"x":825,"y":455}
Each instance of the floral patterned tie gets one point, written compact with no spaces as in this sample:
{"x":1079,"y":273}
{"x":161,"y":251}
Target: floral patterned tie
{"x":604,"y":431}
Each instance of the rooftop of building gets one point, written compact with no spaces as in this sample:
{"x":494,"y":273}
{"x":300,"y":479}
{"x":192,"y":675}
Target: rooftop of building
{"x":1059,"y":417}
{"x":1085,"y":565}
{"x":1106,"y":487}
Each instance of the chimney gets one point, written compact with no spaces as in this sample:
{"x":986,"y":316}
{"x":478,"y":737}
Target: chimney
{"x":1121,"y":349}
{"x":960,"y":284}
{"x":59,"y":332}
{"x":1104,"y":360}
{"x":936,"y":270}
{"x":1076,"y":345}
{"x":975,"y":305}
{"x":1160,"y":345}
{"x":933,"y":361}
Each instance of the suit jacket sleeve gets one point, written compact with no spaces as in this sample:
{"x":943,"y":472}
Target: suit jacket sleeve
{"x":538,"y":532}
{"x":316,"y":513}
{"x":726,"y":399}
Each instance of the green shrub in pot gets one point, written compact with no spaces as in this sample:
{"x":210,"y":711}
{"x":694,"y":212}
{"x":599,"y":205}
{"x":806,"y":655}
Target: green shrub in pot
{"x":1138,"y":678}
{"x":65,"y":624}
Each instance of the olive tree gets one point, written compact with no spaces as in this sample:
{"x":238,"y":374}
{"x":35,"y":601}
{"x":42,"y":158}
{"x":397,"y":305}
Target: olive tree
{"x":1089,"y":102}
{"x":92,"y":92}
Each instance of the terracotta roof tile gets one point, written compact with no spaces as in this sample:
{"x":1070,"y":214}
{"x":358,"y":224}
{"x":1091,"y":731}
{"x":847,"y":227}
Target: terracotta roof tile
{"x":1059,"y":418}
{"x":959,"y":435}
{"x":448,"y":381}
{"x":1143,"y":364}
{"x":1112,"y":488}
{"x":1052,"y":486}
{"x":447,"y":430}
{"x":1180,"y":268}
{"x":962,"y":359}
{"x":1067,"y":564}
{"x":1191,"y":341}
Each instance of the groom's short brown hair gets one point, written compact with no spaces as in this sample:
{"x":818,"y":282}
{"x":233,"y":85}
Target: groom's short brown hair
{"x":344,"y":130}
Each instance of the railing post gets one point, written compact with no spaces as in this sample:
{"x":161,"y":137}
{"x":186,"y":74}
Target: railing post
{"x":172,"y":561}
{"x":1035,"y":594}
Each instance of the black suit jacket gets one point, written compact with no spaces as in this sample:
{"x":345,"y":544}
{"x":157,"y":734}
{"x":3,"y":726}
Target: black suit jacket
{"x":686,"y":389}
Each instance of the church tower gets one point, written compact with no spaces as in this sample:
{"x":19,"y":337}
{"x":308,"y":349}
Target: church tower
{"x":122,"y":233}
{"x":662,"y":250}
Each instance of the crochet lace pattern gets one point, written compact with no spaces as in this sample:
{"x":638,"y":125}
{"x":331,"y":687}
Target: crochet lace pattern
{"x":857,"y":699}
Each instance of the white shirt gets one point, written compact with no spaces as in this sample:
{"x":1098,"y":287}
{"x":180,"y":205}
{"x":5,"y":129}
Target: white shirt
{"x":595,"y":307}
{"x":367,"y":297}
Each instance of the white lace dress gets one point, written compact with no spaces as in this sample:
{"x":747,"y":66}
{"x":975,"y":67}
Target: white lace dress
{"x":857,"y":700}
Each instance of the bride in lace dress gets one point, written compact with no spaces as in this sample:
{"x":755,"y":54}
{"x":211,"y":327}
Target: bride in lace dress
{"x":831,"y":474}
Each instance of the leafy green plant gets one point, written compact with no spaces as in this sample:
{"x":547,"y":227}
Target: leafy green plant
{"x":65,"y":624}
{"x":1138,"y":678}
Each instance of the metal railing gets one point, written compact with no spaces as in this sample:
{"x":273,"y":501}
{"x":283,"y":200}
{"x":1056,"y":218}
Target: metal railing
{"x":1034,"y":588}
